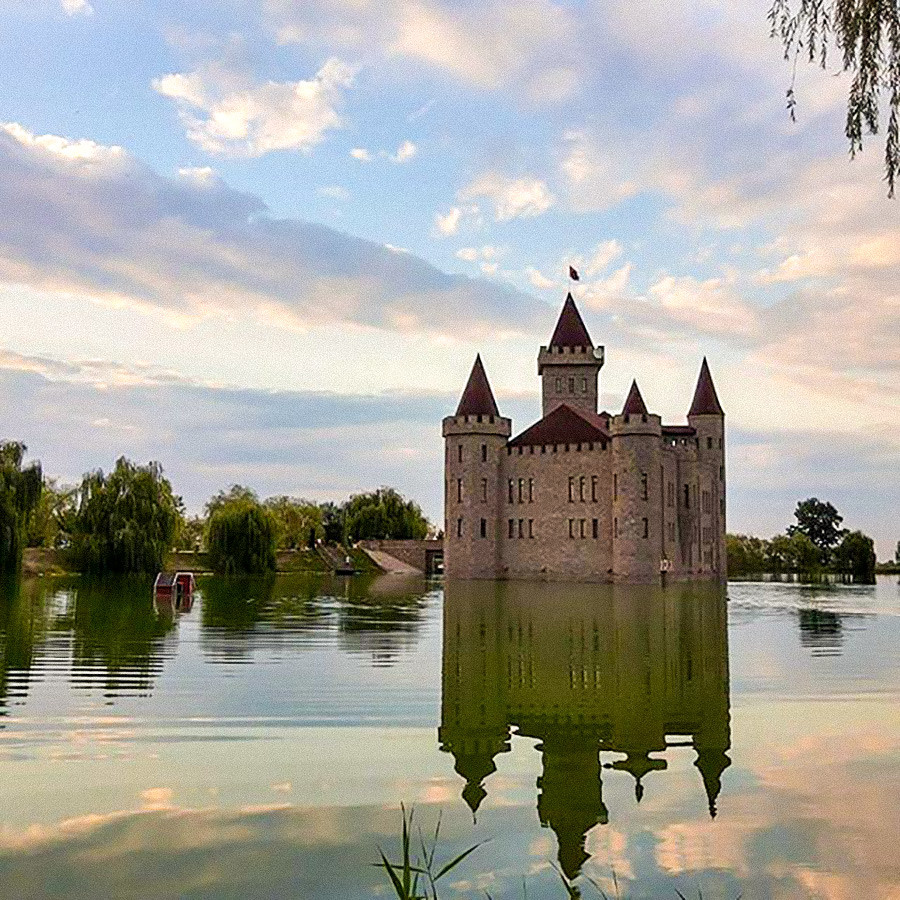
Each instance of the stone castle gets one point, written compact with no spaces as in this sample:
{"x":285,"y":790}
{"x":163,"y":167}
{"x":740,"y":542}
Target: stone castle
{"x":583,"y":495}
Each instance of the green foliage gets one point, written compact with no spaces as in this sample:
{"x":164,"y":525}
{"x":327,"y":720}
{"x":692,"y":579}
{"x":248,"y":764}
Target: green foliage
{"x":383,"y":514}
{"x":820,"y":522}
{"x":241,"y":534}
{"x":855,"y":557}
{"x":866,"y":35}
{"x":124,"y":522}
{"x":20,"y":496}
{"x":333,"y":523}
{"x":299,"y":522}
{"x":897,"y":554}
{"x":747,"y":555}
{"x":49,"y":522}
{"x":191,"y":530}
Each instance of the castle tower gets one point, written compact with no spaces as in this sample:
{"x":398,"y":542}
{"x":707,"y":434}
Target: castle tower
{"x":569,"y":366}
{"x":707,"y":417}
{"x":474,"y":441}
{"x":637,"y":491}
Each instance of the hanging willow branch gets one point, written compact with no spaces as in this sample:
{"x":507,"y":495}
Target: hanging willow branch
{"x":866,"y":34}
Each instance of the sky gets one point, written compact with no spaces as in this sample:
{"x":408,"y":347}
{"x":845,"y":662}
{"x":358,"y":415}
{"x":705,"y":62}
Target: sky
{"x":262,"y":241}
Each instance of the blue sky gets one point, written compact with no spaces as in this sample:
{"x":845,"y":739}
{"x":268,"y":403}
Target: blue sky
{"x":262,"y":241}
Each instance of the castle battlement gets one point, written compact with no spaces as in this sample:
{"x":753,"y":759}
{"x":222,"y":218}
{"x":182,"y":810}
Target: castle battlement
{"x":582,"y":495}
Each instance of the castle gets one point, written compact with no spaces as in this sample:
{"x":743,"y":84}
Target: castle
{"x":582,"y":495}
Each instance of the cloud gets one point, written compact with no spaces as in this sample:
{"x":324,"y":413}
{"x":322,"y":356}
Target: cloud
{"x":76,"y":7}
{"x":405,"y":152}
{"x":334,"y":191}
{"x":95,"y":222}
{"x":361,"y":154}
{"x":224,"y":114}
{"x":512,"y":198}
{"x":538,"y":280}
{"x":447,"y":223}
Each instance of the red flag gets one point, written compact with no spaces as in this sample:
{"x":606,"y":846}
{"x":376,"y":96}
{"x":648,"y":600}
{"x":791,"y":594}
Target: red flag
{"x":573,"y":273}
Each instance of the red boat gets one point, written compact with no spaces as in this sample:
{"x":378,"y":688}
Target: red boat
{"x":175,"y":589}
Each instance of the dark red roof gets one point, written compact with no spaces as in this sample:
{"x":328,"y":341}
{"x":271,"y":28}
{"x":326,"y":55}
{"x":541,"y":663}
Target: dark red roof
{"x":678,"y":430}
{"x":634,"y":404}
{"x":477,"y":398}
{"x":570,"y":330}
{"x":563,"y":425}
{"x":706,"y":401}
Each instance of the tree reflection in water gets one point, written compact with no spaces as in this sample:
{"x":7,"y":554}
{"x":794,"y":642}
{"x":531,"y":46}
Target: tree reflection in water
{"x":584,"y":669}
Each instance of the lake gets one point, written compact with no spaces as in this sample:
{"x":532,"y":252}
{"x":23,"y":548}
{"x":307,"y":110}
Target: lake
{"x":735,"y":741}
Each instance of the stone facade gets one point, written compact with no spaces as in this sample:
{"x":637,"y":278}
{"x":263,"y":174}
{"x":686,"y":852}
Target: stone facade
{"x":579,"y":495}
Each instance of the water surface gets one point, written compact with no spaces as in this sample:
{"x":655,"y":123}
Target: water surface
{"x":740,"y":741}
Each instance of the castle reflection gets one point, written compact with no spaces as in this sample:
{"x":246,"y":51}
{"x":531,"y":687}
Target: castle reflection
{"x":584,"y":669}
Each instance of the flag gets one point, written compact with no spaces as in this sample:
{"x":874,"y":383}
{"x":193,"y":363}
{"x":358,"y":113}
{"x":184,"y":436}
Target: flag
{"x":573,"y":273}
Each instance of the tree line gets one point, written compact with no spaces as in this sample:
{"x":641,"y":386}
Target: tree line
{"x":813,"y":546}
{"x":128,"y":520}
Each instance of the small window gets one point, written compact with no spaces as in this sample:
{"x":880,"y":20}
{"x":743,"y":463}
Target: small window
{"x":616,"y":527}
{"x":521,"y":490}
{"x":484,"y":452}
{"x":615,"y":486}
{"x":484,"y":528}
{"x":571,"y":528}
{"x":459,"y":490}
{"x":584,"y":385}
{"x":459,"y":527}
{"x":581,"y":483}
{"x":581,"y":528}
{"x":559,"y":385}
{"x":644,"y":487}
{"x":531,"y":490}
{"x":484,"y":484}
{"x":511,"y":487}
{"x":512,"y":528}
{"x":521,"y":528}
{"x":687,"y":496}
{"x":595,"y":528}
{"x":571,"y":385}
{"x":571,"y":489}
{"x":594,"y":490}
{"x":709,"y":443}
{"x":459,"y":452}
{"x":646,"y":528}
{"x":531,"y":528}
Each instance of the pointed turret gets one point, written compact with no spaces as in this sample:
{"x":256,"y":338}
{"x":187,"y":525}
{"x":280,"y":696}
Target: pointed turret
{"x":570,"y":329}
{"x":706,"y":401}
{"x":712,"y":763}
{"x":634,"y":404}
{"x":478,"y":398}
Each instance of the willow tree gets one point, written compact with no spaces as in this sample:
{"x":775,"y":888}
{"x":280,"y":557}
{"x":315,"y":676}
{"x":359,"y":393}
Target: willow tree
{"x":20,"y":495}
{"x":241,"y":536}
{"x":384,"y":513}
{"x":866,"y":36}
{"x":124,"y":522}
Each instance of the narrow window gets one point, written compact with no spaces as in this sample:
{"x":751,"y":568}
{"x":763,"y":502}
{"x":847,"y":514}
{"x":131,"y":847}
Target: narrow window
{"x":459,"y":490}
{"x":670,"y":494}
{"x":521,"y":528}
{"x":459,"y":527}
{"x":571,"y":489}
{"x":595,"y":528}
{"x":531,"y":490}
{"x":644,"y":486}
{"x":531,"y":528}
{"x":484,"y":452}
{"x":615,"y":486}
{"x":581,"y":482}
{"x":581,"y":527}
{"x":484,"y":528}
{"x":512,"y":527}
{"x":584,"y":385}
{"x":709,"y":443}
{"x":459,"y":452}
{"x":521,"y":490}
{"x":559,"y":385}
{"x":646,"y":528}
{"x":484,"y":490}
{"x":511,"y":490}
{"x":616,"y":527}
{"x":593,"y":488}
{"x":687,"y":496}
{"x":571,"y":385}
{"x":571,"y":528}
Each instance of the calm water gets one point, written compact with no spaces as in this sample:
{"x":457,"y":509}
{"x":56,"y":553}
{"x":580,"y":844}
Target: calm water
{"x":259,"y":745}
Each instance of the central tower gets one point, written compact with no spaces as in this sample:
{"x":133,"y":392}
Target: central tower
{"x":569,"y":366}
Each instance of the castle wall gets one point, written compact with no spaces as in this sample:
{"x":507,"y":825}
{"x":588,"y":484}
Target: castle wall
{"x":568,"y":375}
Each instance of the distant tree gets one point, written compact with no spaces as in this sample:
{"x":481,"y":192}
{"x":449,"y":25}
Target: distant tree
{"x":820,"y":522}
{"x":48,"y":523}
{"x":897,"y":554}
{"x":235,"y":492}
{"x":747,"y":555}
{"x":299,"y":521}
{"x":866,"y":35}
{"x":855,"y":556}
{"x":333,"y":523}
{"x":124,"y":522}
{"x":383,"y":514}
{"x":241,"y":535}
{"x":20,"y":496}
{"x":191,"y":530}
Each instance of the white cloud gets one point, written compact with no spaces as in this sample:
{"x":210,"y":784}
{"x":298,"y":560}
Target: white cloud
{"x":76,"y":7}
{"x":602,"y":255}
{"x":512,"y":198}
{"x":469,"y":254}
{"x":199,"y":174}
{"x":224,"y":114}
{"x":447,"y":223}
{"x":334,"y":191}
{"x":710,"y":305}
{"x":361,"y":154}
{"x":405,"y":152}
{"x":538,"y":279}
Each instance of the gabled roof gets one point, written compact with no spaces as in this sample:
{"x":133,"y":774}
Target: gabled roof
{"x":570,"y":330}
{"x":563,"y":425}
{"x":478,"y":398}
{"x":634,"y":404}
{"x":706,"y":401}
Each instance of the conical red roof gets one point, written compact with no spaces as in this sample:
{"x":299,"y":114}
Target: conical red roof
{"x":706,"y":401}
{"x":634,"y":404}
{"x":477,"y":398}
{"x":570,"y":330}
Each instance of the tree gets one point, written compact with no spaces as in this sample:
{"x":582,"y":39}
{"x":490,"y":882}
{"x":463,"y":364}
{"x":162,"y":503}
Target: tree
{"x":333,"y":523}
{"x":747,"y":555}
{"x":124,"y":522}
{"x":383,"y":514}
{"x":235,"y":492}
{"x":49,"y":521}
{"x":855,"y":556}
{"x":190,"y":533}
{"x":299,"y":521}
{"x":241,"y":534}
{"x":20,"y":495}
{"x":866,"y":35}
{"x":897,"y":554}
{"x":820,"y":522}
